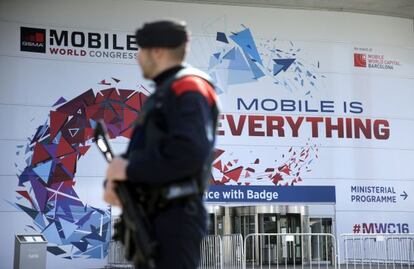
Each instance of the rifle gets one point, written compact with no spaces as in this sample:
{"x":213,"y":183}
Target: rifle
{"x":134,"y":230}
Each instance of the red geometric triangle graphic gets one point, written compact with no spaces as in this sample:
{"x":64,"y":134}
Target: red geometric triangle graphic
{"x":129,"y":117}
{"x":115,"y":96}
{"x":26,"y":195}
{"x":235,"y":173}
{"x":127,"y":133}
{"x":60,"y":175}
{"x":125,"y":93}
{"x":284,"y":169}
{"x":89,"y":132}
{"x":103,"y":95}
{"x":143,"y":98}
{"x":109,"y":115}
{"x":217,"y":165}
{"x":57,"y":120}
{"x":133,"y":102}
{"x":225,"y":179}
{"x":39,"y":154}
{"x":94,"y":112}
{"x":69,"y":162}
{"x":217,"y":153}
{"x":117,"y":107}
{"x":83,"y":150}
{"x":63,"y":148}
{"x":225,"y":168}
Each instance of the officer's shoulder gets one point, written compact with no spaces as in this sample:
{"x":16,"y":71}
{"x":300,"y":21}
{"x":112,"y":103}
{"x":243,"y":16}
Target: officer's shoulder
{"x":193,"y":82}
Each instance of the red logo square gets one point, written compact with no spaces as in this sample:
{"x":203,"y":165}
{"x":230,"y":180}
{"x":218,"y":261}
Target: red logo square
{"x":360,"y":60}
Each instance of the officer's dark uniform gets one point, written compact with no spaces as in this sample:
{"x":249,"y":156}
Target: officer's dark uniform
{"x":173,"y":143}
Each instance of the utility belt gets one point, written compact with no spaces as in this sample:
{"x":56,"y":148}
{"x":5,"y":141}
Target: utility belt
{"x":157,"y":198}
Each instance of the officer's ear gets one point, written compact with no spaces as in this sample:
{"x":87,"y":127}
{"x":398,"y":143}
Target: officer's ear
{"x":178,"y":53}
{"x":157,"y":53}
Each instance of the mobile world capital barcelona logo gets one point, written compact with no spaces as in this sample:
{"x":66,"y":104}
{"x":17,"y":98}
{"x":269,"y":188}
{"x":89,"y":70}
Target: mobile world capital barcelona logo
{"x":366,"y":58}
{"x":33,"y":40}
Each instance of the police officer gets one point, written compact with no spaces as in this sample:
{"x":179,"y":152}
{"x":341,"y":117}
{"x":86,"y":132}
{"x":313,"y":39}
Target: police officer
{"x":171,"y":148}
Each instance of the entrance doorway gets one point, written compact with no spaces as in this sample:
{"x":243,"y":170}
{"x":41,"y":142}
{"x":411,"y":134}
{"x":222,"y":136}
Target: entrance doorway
{"x":322,"y":246}
{"x":276,"y":219}
{"x":270,"y":219}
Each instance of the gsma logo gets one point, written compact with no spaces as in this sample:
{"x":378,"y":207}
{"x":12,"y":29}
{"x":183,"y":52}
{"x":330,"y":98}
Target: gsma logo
{"x":33,"y":39}
{"x":360,"y":60}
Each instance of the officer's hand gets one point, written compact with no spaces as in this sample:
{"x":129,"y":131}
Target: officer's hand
{"x":117,"y":169}
{"x":110,"y":195}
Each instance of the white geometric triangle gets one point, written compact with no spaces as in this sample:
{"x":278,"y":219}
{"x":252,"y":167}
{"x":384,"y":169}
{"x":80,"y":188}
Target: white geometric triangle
{"x":73,"y":131}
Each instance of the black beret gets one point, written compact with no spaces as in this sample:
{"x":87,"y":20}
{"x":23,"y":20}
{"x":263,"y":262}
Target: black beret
{"x":162,"y":34}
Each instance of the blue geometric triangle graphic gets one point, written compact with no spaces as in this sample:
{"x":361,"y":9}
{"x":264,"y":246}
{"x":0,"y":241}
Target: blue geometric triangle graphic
{"x":68,"y":227}
{"x":245,"y":40}
{"x":213,"y":62}
{"x":230,"y":55}
{"x":43,"y":170}
{"x":239,"y":63}
{"x":51,"y":233}
{"x":284,"y":63}
{"x":277,"y":68}
{"x":258,"y":73}
{"x":221,"y":37}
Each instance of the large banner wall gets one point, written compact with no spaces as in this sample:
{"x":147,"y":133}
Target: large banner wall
{"x":316,"y":109}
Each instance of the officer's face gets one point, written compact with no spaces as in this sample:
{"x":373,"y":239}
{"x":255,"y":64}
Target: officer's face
{"x":147,"y":62}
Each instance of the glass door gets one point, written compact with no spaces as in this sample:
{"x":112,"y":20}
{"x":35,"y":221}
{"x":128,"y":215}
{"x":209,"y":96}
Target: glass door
{"x":291,"y":247}
{"x":321,"y":245}
{"x":268,"y":224}
{"x":244,"y":225}
{"x":215,"y":224}
{"x":211,"y":225}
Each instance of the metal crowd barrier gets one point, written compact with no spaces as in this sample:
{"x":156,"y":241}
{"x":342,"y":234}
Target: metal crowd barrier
{"x":302,"y":250}
{"x":216,"y":253}
{"x":377,"y":250}
{"x":211,"y":252}
{"x":232,"y":251}
{"x":116,"y":256}
{"x":273,"y":251}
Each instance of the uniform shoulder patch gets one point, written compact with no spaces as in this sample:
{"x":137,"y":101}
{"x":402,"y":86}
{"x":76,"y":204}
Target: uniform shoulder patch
{"x":194,"y":84}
